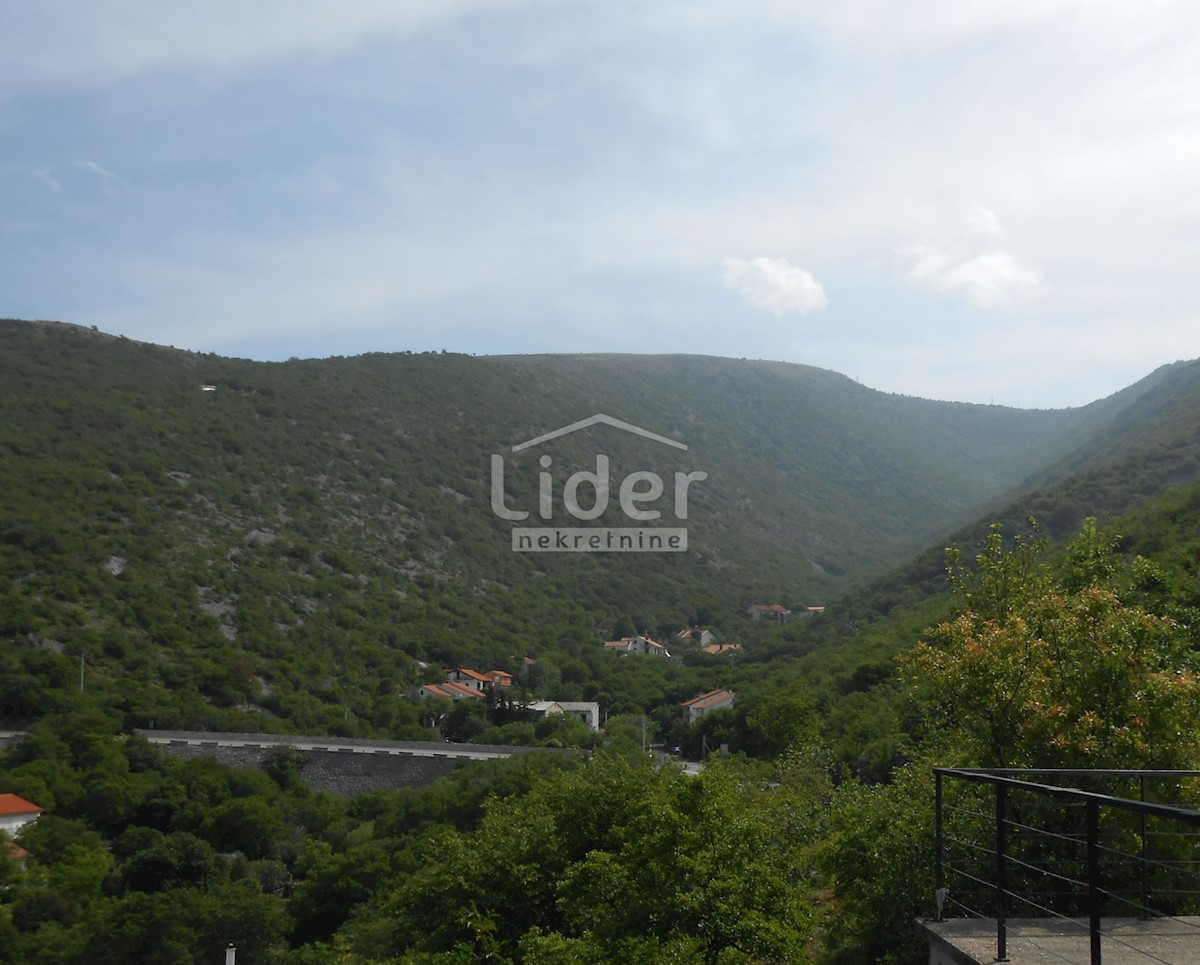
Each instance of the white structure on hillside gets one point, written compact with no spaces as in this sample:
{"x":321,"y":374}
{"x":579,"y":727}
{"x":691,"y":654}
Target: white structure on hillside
{"x":586,"y":711}
{"x":701,"y":635}
{"x":16,"y":812}
{"x":640,"y":644}
{"x":697,"y":707}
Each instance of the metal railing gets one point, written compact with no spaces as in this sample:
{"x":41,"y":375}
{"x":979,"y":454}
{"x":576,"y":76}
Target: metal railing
{"x":1064,"y":851}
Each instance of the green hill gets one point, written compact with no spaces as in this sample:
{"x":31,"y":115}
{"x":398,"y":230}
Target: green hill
{"x":298,"y":538}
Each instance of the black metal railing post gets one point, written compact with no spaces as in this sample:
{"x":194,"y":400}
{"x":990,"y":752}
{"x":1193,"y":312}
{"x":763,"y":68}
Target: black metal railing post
{"x":1001,"y":899}
{"x":939,"y":874}
{"x":1144,"y":914}
{"x":1093,"y":877}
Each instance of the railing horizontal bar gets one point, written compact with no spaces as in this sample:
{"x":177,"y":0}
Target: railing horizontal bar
{"x":1073,"y":771}
{"x":1069,"y":793}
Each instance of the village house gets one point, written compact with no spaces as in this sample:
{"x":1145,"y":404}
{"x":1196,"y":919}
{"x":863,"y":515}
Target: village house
{"x":697,"y":707}
{"x":769,"y":611}
{"x":640,"y":644}
{"x":452,"y":690}
{"x":586,"y":711}
{"x":720,"y":649}
{"x":468,"y":678}
{"x":16,"y":812}
{"x":700,"y":635}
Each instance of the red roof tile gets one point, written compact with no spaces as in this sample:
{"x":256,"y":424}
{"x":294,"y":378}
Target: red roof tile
{"x":712,"y":697}
{"x":11,"y":804}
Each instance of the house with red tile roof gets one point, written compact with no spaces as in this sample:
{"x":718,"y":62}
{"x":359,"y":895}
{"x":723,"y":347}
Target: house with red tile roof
{"x":640,"y":644}
{"x":769,"y":611}
{"x":16,"y":812}
{"x":720,"y":649}
{"x":468,"y":677}
{"x":451,"y":690}
{"x":701,"y":635}
{"x":480,"y":681}
{"x":697,"y":707}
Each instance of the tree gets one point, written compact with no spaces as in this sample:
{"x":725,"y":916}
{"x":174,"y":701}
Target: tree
{"x":1053,"y":672}
{"x":611,"y":862}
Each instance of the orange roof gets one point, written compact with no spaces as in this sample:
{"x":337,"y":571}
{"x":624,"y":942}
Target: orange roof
{"x":712,"y":697}
{"x":11,"y":804}
{"x":716,"y":648}
{"x":771,"y":608}
{"x":473,"y":674}
{"x":462,"y":689}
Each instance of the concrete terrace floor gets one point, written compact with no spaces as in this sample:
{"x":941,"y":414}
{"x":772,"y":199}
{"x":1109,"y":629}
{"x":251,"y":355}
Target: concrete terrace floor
{"x":1050,"y":941}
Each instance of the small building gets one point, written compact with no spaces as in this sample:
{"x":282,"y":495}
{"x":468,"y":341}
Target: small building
{"x":452,"y":690}
{"x":769,"y":611}
{"x":468,"y":678}
{"x":697,"y":707}
{"x":640,"y":644}
{"x":480,"y":681}
{"x":16,"y":812}
{"x":721,"y":649}
{"x":586,"y":711}
{"x":701,"y":635}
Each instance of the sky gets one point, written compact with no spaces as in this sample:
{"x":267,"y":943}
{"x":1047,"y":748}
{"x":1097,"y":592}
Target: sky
{"x":986,"y":202}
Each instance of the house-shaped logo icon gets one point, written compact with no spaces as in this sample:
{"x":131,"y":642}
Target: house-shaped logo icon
{"x":598,"y":419}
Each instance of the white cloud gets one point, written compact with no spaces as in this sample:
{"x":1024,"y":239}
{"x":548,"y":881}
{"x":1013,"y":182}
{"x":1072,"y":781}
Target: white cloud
{"x":973,"y":265}
{"x":776,"y":285}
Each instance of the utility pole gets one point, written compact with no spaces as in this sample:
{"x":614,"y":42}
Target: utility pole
{"x":81,"y":673}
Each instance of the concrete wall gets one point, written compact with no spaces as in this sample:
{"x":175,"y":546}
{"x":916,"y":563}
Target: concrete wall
{"x":341,"y":765}
{"x":340,"y":772}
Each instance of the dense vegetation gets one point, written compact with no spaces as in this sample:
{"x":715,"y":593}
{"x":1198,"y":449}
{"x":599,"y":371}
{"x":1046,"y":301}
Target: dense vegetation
{"x":282,"y":552}
{"x":786,"y":857}
{"x":295,"y":550}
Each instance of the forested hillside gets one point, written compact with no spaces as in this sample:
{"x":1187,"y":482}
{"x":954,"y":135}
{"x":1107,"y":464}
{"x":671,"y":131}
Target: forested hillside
{"x":281,"y":545}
